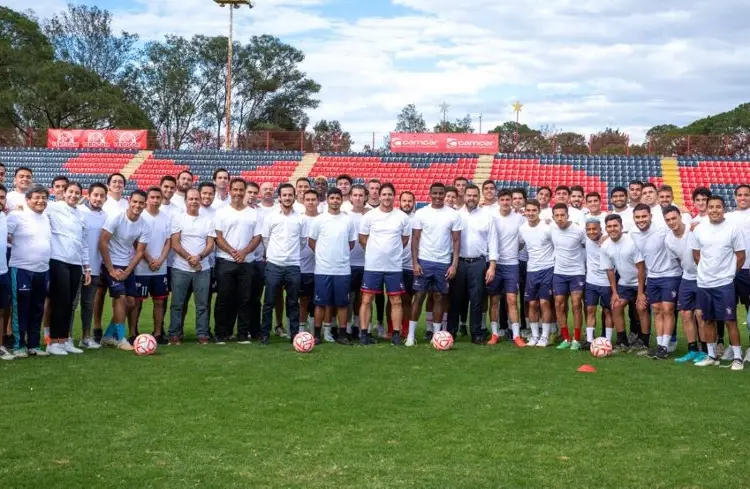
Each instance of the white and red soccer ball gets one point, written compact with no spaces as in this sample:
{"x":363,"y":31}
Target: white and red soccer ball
{"x":601,"y":347}
{"x":442,"y":340}
{"x":144,"y":344}
{"x":304,"y":342}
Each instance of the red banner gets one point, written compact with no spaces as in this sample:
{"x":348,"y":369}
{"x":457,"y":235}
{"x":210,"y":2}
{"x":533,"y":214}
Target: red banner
{"x":95,"y":138}
{"x":406,"y":142}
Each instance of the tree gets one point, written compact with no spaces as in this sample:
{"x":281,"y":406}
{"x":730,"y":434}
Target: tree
{"x":610,"y":141}
{"x":328,"y":136}
{"x":83,"y":35}
{"x":571,"y":143}
{"x":462,"y":125}
{"x":528,"y":140}
{"x":409,"y":120}
{"x":212,"y":65}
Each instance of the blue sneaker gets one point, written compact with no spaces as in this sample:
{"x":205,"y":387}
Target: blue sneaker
{"x":688,"y":357}
{"x":700,"y":357}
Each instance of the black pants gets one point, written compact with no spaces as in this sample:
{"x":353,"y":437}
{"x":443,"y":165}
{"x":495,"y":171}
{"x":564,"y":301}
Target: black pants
{"x":234,"y":282}
{"x":279,"y":279}
{"x":88,"y":292}
{"x":468,"y":285}
{"x":64,"y":281}
{"x":259,"y":283}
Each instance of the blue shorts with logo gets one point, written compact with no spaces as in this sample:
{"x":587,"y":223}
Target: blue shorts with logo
{"x":742,"y":286}
{"x":357,"y":274}
{"x":432,"y":278}
{"x":332,"y":290}
{"x":718,"y":303}
{"x":5,"y":292}
{"x":567,"y":284}
{"x":539,"y":285}
{"x":409,"y":281}
{"x":687,"y":297}
{"x":307,"y":285}
{"x":156,"y":286}
{"x":118,"y":288}
{"x":372,"y":282}
{"x":663,"y":289}
{"x":506,"y":280}
{"x":627,"y":293}
{"x":596,"y":295}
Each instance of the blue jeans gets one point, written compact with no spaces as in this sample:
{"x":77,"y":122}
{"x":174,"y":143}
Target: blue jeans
{"x":201,"y":285}
{"x":276,"y":278}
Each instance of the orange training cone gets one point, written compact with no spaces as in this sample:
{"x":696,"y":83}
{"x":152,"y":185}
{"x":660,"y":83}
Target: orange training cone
{"x":587,"y":369}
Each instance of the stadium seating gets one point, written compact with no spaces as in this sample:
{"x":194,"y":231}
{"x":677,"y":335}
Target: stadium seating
{"x":720,"y":174}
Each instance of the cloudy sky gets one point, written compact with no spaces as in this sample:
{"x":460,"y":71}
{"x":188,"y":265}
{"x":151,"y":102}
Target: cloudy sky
{"x":575,"y":64}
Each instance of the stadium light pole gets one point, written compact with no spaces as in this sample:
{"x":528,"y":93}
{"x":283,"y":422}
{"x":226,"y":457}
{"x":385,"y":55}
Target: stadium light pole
{"x":233,"y":4}
{"x":517,"y":109}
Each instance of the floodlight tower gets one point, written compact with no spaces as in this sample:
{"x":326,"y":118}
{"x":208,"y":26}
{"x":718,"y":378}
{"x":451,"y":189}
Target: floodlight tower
{"x":233,"y":4}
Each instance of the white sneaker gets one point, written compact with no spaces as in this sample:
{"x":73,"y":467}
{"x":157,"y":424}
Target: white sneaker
{"x":747,"y":356}
{"x":542,"y":342}
{"x":20,"y":353}
{"x":38,"y":352}
{"x":125,"y":345}
{"x":410,"y":341}
{"x":328,"y":337}
{"x":89,"y":344}
{"x":5,"y":354}
{"x":728,"y":355}
{"x":708,"y":362}
{"x":672,"y":347}
{"x":70,"y":348}
{"x":532,"y":341}
{"x":56,"y":349}
{"x":526,"y":334}
{"x":738,"y":365}
{"x":109,"y":341}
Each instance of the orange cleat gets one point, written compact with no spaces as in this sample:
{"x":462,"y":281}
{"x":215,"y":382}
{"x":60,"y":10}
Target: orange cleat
{"x":519,"y":342}
{"x":494,"y":340}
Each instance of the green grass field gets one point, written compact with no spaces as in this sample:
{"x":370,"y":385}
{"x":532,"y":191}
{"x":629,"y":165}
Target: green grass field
{"x":474,"y":417}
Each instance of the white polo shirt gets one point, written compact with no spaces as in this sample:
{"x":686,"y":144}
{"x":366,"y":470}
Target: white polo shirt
{"x":160,"y":230}
{"x":717,"y":244}
{"x":594,"y":273}
{"x":478,"y":230}
{"x":622,"y":257}
{"x":437,"y":226}
{"x":332,"y":234}
{"x":94,"y":223}
{"x":31,"y":235}
{"x":112,"y":206}
{"x":659,"y":262}
{"x":357,"y":258}
{"x":538,"y":241}
{"x":124,"y":234}
{"x":505,"y":247}
{"x":194,"y":233}
{"x":238,"y":228}
{"x":384,"y":252}
{"x":307,"y":256}
{"x":570,"y":251}
{"x":69,"y":234}
{"x":286,"y":234}
{"x":681,"y":250}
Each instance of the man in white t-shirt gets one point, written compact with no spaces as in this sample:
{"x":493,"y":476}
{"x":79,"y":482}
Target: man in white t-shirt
{"x":344,"y":183}
{"x":120,"y":257}
{"x":562,"y":196}
{"x":22,"y":181}
{"x":301,"y":186}
{"x":741,"y":217}
{"x":331,"y":236}
{"x":618,"y":197}
{"x":383,"y":233}
{"x":461,"y":183}
{"x":259,"y":265}
{"x":151,"y":271}
{"x":116,"y":201}
{"x":373,"y":194}
{"x":577,"y":199}
{"x":184,"y":182}
{"x":650,"y":197}
{"x":221,"y":185}
{"x":207,"y":191}
{"x":543,"y":196}
{"x":435,"y":245}
{"x":193,"y":243}
{"x":598,"y":292}
{"x":407,"y":205}
{"x":307,"y":267}
{"x":594,"y":208}
{"x":719,"y":250}
{"x":168,"y":186}
{"x":95,"y":217}
{"x":358,"y":197}
{"x":238,"y":230}
{"x":489,"y":194}
{"x":634,"y":192}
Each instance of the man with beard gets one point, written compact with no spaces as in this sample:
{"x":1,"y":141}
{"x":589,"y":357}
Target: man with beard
{"x":619,"y":199}
{"x":221,"y":184}
{"x":184,"y":182}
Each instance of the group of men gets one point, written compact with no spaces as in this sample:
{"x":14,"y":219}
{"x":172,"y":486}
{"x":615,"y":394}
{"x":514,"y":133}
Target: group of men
{"x":324,"y":257}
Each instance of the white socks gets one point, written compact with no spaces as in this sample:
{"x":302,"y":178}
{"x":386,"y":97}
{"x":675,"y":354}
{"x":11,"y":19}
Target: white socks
{"x":436,"y":327}
{"x":590,"y":335}
{"x":711,"y":347}
{"x":534,"y":330}
{"x":608,"y":332}
{"x":546,"y":329}
{"x":412,"y":329}
{"x":516,"y":330}
{"x":493,"y":326}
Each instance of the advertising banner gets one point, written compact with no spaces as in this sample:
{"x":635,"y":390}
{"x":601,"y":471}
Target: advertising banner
{"x":404,"y":142}
{"x":95,"y":138}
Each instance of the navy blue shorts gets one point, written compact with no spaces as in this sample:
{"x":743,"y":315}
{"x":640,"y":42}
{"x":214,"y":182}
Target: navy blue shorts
{"x":742,"y":286}
{"x":432,"y":278}
{"x":155,"y":286}
{"x":5,"y":292}
{"x":718,"y":303}
{"x":332,"y":290}
{"x":567,"y":284}
{"x":307,"y":285}
{"x":539,"y":285}
{"x":117,"y":288}
{"x":357,"y":274}
{"x":596,"y":295}
{"x":687,"y":297}
{"x":409,"y":281}
{"x":506,"y":280}
{"x":627,"y":293}
{"x":372,"y":282}
{"x":662,"y":289}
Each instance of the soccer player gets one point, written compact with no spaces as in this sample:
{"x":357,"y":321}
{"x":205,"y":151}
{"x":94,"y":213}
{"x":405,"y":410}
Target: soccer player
{"x":741,"y":217}
{"x":650,"y":197}
{"x":489,"y":194}
{"x":407,"y":204}
{"x":259,"y":265}
{"x":460,"y":183}
{"x":619,"y":199}
{"x":267,"y":205}
{"x":700,"y":201}
{"x":284,"y":234}
{"x":321,"y":186}
{"x":22,"y":180}
{"x":373,"y":202}
{"x":357,"y":259}
{"x":307,"y":269}
{"x":221,"y":184}
{"x":473,"y":270}
{"x":621,"y":257}
{"x":576,"y":198}
{"x":562,"y":196}
{"x":373,"y":194}
{"x":436,"y":240}
{"x":594,"y":207}
{"x":518,"y":196}
{"x":69,"y":261}
{"x":543,"y":196}
{"x":503,"y":248}
{"x":192,"y":239}
{"x":94,"y":217}
{"x":719,"y":250}
{"x":31,"y":235}
{"x":122,"y":244}
{"x":238,"y":231}
{"x":59,"y":184}
{"x":635,"y":187}
{"x":678,"y":245}
{"x":331,"y":237}
{"x":115,"y":202}
{"x":301,"y":186}
{"x":663,"y":273}
{"x":383,"y":233}
{"x":344,"y":183}
{"x":570,"y":273}
{"x":168,"y":186}
{"x":151,"y":271}
{"x":598,"y":291}
{"x":184,"y":182}
{"x":451,"y":195}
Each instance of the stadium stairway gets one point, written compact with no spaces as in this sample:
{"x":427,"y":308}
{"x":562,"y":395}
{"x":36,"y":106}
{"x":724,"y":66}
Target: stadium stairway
{"x":484,"y":169}
{"x":304,"y":167}
{"x":133,"y":165}
{"x":671,"y":176}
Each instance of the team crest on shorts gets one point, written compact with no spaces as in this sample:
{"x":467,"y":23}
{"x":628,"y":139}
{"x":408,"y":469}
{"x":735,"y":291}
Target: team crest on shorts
{"x":674,"y":294}
{"x":729,"y":311}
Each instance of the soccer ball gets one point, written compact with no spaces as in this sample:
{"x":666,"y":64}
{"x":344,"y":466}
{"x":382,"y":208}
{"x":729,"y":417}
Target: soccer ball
{"x":442,"y":340}
{"x":304,"y":342}
{"x":144,"y":344}
{"x":601,"y":347}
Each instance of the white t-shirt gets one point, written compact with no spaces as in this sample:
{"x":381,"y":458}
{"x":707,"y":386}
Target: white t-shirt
{"x":408,"y":261}
{"x":238,"y":228}
{"x":657,"y":219}
{"x":570,"y":252}
{"x":357,"y":258}
{"x":94,"y":223}
{"x":479,"y":229}
{"x":160,"y":229}
{"x":210,"y":213}
{"x":31,"y":234}
{"x":717,"y":244}
{"x":218,"y":202}
{"x":506,"y":246}
{"x":15,"y":199}
{"x":69,"y":234}
{"x":194,"y":233}
{"x":384,"y":252}
{"x":125,"y":233}
{"x":538,"y":241}
{"x":112,"y":206}
{"x":437,"y":226}
{"x":628,"y":224}
{"x":346,"y":206}
{"x":600,"y":217}
{"x":659,"y":262}
{"x":594,"y":273}
{"x":298,"y":207}
{"x":574,"y":215}
{"x":3,"y":241}
{"x":285,"y":235}
{"x":622,"y":256}
{"x":178,"y":201}
{"x":741,"y":218}
{"x":681,"y":250}
{"x":332,"y":234}
{"x":263,"y":211}
{"x":306,"y":255}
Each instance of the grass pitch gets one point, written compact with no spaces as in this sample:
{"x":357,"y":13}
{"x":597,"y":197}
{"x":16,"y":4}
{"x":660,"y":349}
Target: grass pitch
{"x":266,"y":417}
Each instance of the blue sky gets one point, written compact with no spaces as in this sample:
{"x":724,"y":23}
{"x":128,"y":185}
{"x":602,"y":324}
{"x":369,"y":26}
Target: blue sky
{"x":576,"y":65}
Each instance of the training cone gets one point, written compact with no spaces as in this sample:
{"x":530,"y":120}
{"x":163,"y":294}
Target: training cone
{"x":587,"y":369}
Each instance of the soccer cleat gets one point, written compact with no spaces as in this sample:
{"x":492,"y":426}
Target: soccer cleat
{"x":328,"y":337}
{"x":575,"y":345}
{"x":20,"y":353}
{"x":543,"y":342}
{"x":5,"y":354}
{"x":699,"y":357}
{"x":89,"y":344}
{"x":738,"y":365}
{"x":365,"y":339}
{"x":651,"y":353}
{"x":69,"y":348}
{"x":586,"y":346}
{"x":519,"y":342}
{"x":639,"y":348}
{"x":728,"y":355}
{"x":662,"y":353}
{"x":494,"y":340}
{"x":109,"y":341}
{"x":428,"y":336}
{"x":124,"y":345}
{"x":396,"y":339}
{"x":565,"y":345}
{"x":708,"y":362}
{"x":344,"y":340}
{"x":175,"y":340}
{"x":532,"y":341}
{"x":280,"y":331}
{"x":410,"y":341}
{"x":56,"y":349}
{"x":37,"y":352}
{"x":688,"y":357}
{"x":380,"y":329}
{"x":620,"y":348}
